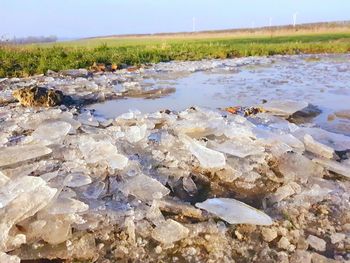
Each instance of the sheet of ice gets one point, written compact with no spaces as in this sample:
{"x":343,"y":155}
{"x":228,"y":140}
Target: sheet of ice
{"x":99,"y":151}
{"x":336,"y":167}
{"x":298,"y":167}
{"x":12,"y":189}
{"x":25,"y":204}
{"x":136,"y":133}
{"x":78,"y":179}
{"x":51,"y":132}
{"x":234,"y":211}
{"x":318,"y":148}
{"x":338,"y":142}
{"x":144,"y":188}
{"x":207,"y":158}
{"x":20,"y":153}
{"x":87,"y":118}
{"x":237,"y":147}
{"x":66,"y":206}
{"x":284,"y":107}
{"x":169,"y":232}
{"x":3,"y":179}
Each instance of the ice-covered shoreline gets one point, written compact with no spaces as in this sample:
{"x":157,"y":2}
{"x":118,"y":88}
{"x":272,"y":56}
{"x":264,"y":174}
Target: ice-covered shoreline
{"x":195,"y":185}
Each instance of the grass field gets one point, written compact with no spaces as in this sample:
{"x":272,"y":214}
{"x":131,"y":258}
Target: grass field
{"x":36,"y":59}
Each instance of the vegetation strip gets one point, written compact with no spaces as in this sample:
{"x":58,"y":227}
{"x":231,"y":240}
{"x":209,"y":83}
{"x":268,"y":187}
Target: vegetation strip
{"x":21,"y":61}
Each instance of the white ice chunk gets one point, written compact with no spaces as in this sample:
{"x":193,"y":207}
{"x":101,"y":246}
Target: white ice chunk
{"x":56,"y":230}
{"x":3,"y":179}
{"x":169,"y":232}
{"x":88,"y":119}
{"x":284,"y":107}
{"x":25,"y":204}
{"x":338,"y":142}
{"x":235,"y":130}
{"x":51,"y":132}
{"x":234,"y":211}
{"x":336,"y":167}
{"x":238,"y":147}
{"x":284,"y":192}
{"x":144,"y":188}
{"x":78,"y":179}
{"x":136,"y":133}
{"x":66,"y":206}
{"x":18,"y":186}
{"x":208,"y":158}
{"x":4,"y":258}
{"x":296,"y":166}
{"x":99,"y":151}
{"x":20,"y":153}
{"x":317,"y":148}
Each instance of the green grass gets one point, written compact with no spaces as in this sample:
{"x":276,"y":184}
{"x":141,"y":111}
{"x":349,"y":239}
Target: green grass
{"x":22,"y":61}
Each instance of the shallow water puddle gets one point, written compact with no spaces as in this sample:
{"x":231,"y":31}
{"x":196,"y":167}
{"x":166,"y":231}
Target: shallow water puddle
{"x":323,"y":81}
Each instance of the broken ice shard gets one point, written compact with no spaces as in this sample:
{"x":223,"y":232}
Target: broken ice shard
{"x":169,"y":232}
{"x":15,"y":154}
{"x":235,"y":212}
{"x":284,"y":107}
{"x":51,"y":132}
{"x":99,"y":151}
{"x":207,"y":158}
{"x":144,"y":188}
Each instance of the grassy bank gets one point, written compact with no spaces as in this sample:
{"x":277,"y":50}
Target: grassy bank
{"x":29,"y":60}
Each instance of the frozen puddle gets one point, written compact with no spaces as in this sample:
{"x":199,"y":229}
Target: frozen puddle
{"x":321,"y":80}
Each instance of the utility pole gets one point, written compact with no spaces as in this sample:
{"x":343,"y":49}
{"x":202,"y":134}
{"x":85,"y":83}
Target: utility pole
{"x":295,"y":19}
{"x":270,"y":21}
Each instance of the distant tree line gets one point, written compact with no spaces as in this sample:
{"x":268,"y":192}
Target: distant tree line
{"x":27,"y":40}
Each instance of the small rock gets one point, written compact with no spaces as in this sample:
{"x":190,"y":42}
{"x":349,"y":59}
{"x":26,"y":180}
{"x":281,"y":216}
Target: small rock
{"x":282,"y":193}
{"x":317,"y":258}
{"x":337,"y":237}
{"x":282,"y":257}
{"x":269,"y":234}
{"x":344,"y":114}
{"x":158,"y":249}
{"x":316,"y":243}
{"x":301,"y":256}
{"x":38,"y":97}
{"x":331,"y":117}
{"x":283,"y":243}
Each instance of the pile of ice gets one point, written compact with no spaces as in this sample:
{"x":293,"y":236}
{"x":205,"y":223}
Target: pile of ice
{"x":167,"y":185}
{"x":86,"y":88}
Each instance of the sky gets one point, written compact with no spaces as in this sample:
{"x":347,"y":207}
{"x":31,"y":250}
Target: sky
{"x":84,"y":18}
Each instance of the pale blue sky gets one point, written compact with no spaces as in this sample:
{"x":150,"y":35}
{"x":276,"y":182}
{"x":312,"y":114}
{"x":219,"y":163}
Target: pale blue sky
{"x":82,"y":18}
